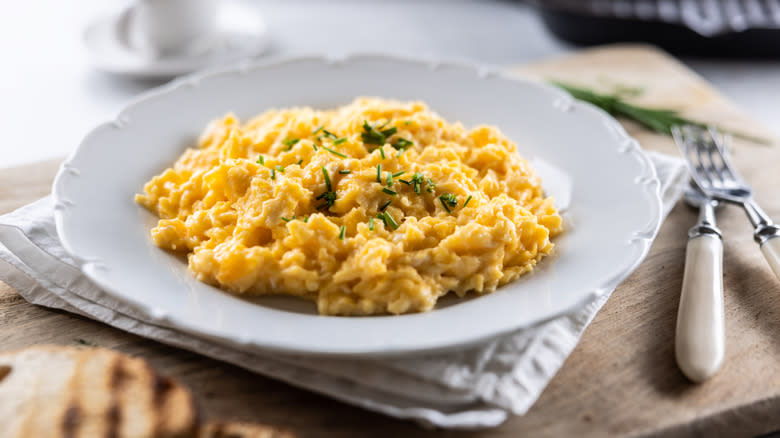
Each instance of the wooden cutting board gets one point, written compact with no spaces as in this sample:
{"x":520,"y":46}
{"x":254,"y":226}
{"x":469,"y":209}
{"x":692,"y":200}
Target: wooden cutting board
{"x":620,"y":380}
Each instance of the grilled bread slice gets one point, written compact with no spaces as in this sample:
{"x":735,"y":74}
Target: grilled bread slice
{"x":69,"y":392}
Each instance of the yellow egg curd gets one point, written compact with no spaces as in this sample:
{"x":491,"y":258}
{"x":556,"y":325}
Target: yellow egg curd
{"x":375,"y":207}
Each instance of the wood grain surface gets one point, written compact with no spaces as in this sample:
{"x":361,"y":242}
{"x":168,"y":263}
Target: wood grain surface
{"x":620,"y":380}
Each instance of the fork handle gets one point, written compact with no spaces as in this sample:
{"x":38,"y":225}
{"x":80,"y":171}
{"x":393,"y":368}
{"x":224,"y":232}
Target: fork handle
{"x":699,"y":338}
{"x":771,"y":250}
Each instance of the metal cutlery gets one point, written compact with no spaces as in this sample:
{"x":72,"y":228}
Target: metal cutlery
{"x":699,"y":336}
{"x":708,"y":161}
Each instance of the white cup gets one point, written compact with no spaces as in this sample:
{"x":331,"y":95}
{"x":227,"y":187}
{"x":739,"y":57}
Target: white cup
{"x":169,"y":26}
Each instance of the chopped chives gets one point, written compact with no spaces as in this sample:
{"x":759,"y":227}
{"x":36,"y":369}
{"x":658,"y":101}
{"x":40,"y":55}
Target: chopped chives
{"x":329,"y":198}
{"x":340,"y":140}
{"x":327,"y":178}
{"x":397,"y":174}
{"x":405,"y":182}
{"x":279,"y":168}
{"x":261,"y":160}
{"x":384,"y":206}
{"x":318,"y":130}
{"x":371,"y":135}
{"x":389,"y":131}
{"x":290,"y":143}
{"x":431,"y":185}
{"x":448,"y":200}
{"x":371,"y":224}
{"x":383,"y":124}
{"x":382,"y":216}
{"x":390,"y":220}
{"x":382,"y":152}
{"x":402,"y":144}
{"x":342,"y":232}
{"x":300,"y":161}
{"x":388,"y":191}
{"x":417,"y":180}
{"x":287,"y":220}
{"x":334,"y":152}
{"x":314,"y":145}
{"x":443,"y":203}
{"x":408,"y":122}
{"x":389,"y":179}
{"x":379,"y":173}
{"x":329,"y":134}
{"x":273,"y":174}
{"x":345,"y":172}
{"x":306,"y":219}
{"x":467,"y":201}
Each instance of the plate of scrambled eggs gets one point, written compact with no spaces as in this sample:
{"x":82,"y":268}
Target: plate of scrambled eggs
{"x":365,"y":206}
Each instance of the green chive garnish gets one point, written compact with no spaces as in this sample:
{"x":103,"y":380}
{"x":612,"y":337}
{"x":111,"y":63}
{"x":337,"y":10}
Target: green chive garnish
{"x":431,"y":185}
{"x":334,"y":152}
{"x":402,"y":144}
{"x":300,"y":161}
{"x":389,"y":131}
{"x":342,"y":232}
{"x":345,"y":172}
{"x":371,"y":135}
{"x":390,"y":220}
{"x":388,"y":191}
{"x":371,"y":224}
{"x":382,"y":152}
{"x":261,"y":160}
{"x":329,"y":134}
{"x":329,"y":199}
{"x":314,"y":145}
{"x":379,"y":173}
{"x":279,"y":168}
{"x":318,"y":130}
{"x":417,"y":180}
{"x":285,"y":219}
{"x":467,"y":201}
{"x":306,"y":219}
{"x":340,"y":140}
{"x":273,"y":174}
{"x":389,"y":179}
{"x":327,"y":178}
{"x":408,"y":122}
{"x":405,"y":182}
{"x":397,"y":174}
{"x":384,"y":206}
{"x":448,"y":200}
{"x":291,"y":142}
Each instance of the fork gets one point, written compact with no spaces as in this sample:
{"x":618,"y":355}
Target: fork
{"x":699,"y":335}
{"x":706,"y":154}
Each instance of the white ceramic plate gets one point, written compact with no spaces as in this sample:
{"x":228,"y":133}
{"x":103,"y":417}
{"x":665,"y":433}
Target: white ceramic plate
{"x":614,"y":212}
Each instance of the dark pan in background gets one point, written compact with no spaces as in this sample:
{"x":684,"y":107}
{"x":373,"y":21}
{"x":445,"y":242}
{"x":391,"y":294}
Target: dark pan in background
{"x":737,"y":28}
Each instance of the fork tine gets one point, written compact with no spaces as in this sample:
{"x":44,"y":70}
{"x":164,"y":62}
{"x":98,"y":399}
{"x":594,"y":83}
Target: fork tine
{"x":721,"y":147}
{"x":693,"y":134}
{"x":715,"y":170}
{"x":682,"y":138}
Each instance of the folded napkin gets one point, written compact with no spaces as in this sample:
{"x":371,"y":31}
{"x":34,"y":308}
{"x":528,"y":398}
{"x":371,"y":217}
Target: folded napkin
{"x":473,"y":388}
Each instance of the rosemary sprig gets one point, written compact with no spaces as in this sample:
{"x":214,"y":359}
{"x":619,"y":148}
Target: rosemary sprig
{"x":656,"y":119}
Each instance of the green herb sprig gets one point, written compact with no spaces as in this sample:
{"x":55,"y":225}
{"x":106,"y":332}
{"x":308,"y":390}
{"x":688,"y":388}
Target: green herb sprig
{"x":656,"y":119}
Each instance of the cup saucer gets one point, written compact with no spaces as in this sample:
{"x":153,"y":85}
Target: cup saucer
{"x":240,"y":32}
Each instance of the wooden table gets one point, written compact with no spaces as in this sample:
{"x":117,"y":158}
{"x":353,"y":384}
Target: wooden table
{"x":621,"y":379}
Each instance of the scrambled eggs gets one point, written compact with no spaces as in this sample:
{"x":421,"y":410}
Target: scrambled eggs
{"x":375,"y":207}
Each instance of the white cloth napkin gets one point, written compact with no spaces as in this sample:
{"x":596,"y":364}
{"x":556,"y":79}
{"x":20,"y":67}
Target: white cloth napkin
{"x":473,"y":388}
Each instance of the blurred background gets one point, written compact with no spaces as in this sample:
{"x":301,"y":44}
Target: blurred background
{"x":51,"y":93}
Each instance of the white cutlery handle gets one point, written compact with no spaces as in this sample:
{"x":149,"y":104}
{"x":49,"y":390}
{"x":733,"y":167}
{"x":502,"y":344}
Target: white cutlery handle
{"x":771,"y":250}
{"x":699,"y":340}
